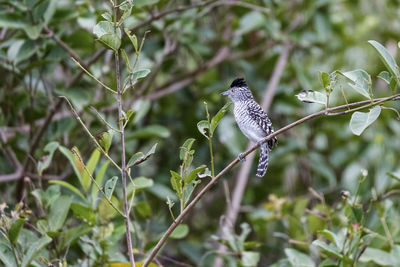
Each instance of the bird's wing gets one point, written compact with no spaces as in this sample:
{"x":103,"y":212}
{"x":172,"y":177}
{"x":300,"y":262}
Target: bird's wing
{"x":260,"y":117}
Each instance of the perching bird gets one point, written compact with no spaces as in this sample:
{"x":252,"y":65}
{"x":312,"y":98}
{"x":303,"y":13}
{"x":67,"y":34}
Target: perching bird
{"x":252,"y":121}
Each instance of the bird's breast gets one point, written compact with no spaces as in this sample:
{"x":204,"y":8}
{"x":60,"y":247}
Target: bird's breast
{"x":247,"y":125}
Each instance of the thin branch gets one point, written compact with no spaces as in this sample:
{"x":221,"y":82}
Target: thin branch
{"x":96,"y":184}
{"x":66,"y":47}
{"x":200,"y":195}
{"x":122,"y":134}
{"x":92,"y":76}
{"x":90,"y":134}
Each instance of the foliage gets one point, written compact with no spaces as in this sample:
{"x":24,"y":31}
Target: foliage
{"x":330,"y":197}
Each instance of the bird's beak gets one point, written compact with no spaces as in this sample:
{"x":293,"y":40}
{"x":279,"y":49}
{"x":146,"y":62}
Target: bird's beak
{"x":225,"y":93}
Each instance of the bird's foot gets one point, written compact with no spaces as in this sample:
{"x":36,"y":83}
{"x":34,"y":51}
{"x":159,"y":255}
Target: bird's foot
{"x":260,"y":142}
{"x":241,"y":158}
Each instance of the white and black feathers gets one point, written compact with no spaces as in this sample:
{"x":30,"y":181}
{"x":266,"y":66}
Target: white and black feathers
{"x":252,"y":120}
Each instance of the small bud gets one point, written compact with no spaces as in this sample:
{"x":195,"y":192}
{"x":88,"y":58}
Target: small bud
{"x":364,"y":172}
{"x":344,"y":194}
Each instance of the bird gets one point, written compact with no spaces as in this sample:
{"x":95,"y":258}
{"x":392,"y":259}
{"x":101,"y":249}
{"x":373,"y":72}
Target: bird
{"x":252,"y":120}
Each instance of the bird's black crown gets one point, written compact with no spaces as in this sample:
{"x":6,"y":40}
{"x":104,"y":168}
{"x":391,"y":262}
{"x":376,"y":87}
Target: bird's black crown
{"x":239,"y":82}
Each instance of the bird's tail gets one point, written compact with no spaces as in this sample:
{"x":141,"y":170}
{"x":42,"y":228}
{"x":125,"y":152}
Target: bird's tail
{"x":263,"y":161}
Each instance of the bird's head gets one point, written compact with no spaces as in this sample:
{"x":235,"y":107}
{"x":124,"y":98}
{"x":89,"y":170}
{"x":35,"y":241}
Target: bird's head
{"x":238,"y":91}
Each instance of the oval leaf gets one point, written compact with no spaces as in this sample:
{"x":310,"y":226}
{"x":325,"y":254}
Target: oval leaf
{"x":142,"y":182}
{"x":360,"y":81}
{"x":203,"y":128}
{"x":180,"y":231}
{"x":361,"y":120}
{"x":110,"y":186}
{"x":185,"y":148}
{"x":310,"y":96}
{"x":217,"y":118}
{"x":387,"y":59}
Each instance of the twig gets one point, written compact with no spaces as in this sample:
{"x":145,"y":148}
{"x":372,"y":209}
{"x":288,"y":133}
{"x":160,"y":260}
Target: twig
{"x":90,"y":134}
{"x":92,"y":76}
{"x":122,"y":133}
{"x":96,"y":184}
{"x":200,"y":195}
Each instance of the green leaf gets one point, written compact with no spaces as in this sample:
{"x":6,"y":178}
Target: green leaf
{"x":73,"y":234}
{"x":193,"y":174}
{"x":387,"y":59}
{"x":126,"y":59}
{"x":298,"y":259}
{"x":127,"y":9}
{"x":357,"y":213}
{"x":310,"y":96}
{"x":217,"y":118}
{"x":110,"y":186}
{"x":142,"y":183}
{"x":250,"y":258}
{"x":325,"y":79}
{"x":330,"y":250}
{"x":185,"y":148}
{"x":143,"y":208}
{"x":71,"y":158}
{"x":385,"y":76}
{"x":176,"y":182}
{"x":111,"y":40}
{"x":34,"y":250}
{"x":180,"y":231}
{"x":377,"y":256}
{"x":203,"y":128}
{"x":361,"y":120}
{"x":251,"y":21}
{"x":33,"y":31}
{"x":189,"y":190}
{"x":90,"y":166}
{"x":70,"y":187}
{"x":139,"y":74}
{"x":58,"y":212}
{"x":105,"y":140}
{"x":21,"y":50}
{"x":106,"y":212}
{"x":149,"y":132}
{"x":50,"y":10}
{"x":360,"y":81}
{"x":12,"y":21}
{"x":7,"y":256}
{"x":15,"y":228}
{"x":139,"y":157}
{"x":44,"y":162}
{"x":331,"y":237}
{"x":102,"y":28}
{"x":84,"y":213}
{"x":107,"y":16}
{"x":143,"y":3}
{"x":99,"y":180}
{"x":132,"y":37}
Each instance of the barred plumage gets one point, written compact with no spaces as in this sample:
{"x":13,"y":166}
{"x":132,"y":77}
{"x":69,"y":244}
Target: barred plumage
{"x":252,"y":120}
